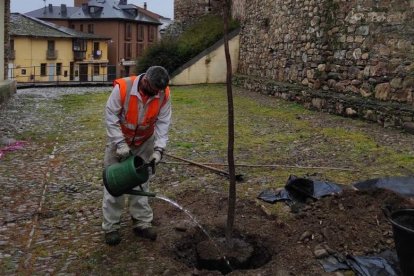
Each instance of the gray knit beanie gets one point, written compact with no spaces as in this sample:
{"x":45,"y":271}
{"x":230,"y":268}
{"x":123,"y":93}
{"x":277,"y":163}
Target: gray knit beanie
{"x":158,"y":77}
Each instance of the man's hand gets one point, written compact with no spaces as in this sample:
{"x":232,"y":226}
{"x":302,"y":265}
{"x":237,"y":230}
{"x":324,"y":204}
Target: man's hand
{"x":157,"y":155}
{"x":122,"y":151}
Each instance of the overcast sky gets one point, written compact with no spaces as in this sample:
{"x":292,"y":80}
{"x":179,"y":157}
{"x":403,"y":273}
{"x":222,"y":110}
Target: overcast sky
{"x":162,"y":7}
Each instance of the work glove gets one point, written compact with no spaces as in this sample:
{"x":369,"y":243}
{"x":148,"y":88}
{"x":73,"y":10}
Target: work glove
{"x":157,"y":155}
{"x":122,"y":151}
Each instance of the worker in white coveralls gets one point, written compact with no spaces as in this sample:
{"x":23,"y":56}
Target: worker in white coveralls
{"x":138,"y":116}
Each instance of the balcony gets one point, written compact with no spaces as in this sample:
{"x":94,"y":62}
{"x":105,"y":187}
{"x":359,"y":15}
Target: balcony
{"x":79,"y":55}
{"x":51,"y":54}
{"x":11,"y":54}
{"x":97,"y":54}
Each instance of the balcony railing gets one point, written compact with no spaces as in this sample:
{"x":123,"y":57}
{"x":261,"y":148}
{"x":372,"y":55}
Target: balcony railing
{"x":78,"y":55}
{"x":97,"y":54}
{"x":67,"y":75}
{"x":51,"y":54}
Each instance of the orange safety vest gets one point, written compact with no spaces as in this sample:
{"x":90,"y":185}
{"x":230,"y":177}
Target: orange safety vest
{"x":138,"y":119}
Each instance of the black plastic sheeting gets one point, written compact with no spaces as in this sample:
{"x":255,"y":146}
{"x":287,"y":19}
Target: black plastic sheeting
{"x":402,"y":185}
{"x":299,"y":189}
{"x":384,"y":264}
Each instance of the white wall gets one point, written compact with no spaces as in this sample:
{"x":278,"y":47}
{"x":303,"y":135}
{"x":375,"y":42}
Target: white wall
{"x":210,"y":68}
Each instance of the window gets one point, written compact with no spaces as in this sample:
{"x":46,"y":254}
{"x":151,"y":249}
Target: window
{"x":23,"y":71}
{"x":90,"y":28}
{"x":81,"y":27}
{"x":96,"y":69}
{"x":140,"y":33}
{"x":151,"y":35}
{"x":12,"y":44}
{"x":94,"y":9}
{"x":43,"y":69}
{"x":51,"y":53}
{"x":51,"y":45}
{"x":72,"y":26}
{"x":97,"y":53}
{"x":140,"y":49}
{"x":58,"y":69}
{"x":128,"y":28}
{"x":79,"y":45}
{"x":128,"y":51}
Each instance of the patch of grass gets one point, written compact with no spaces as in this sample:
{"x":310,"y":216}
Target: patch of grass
{"x":7,"y":266}
{"x":270,"y":132}
{"x":86,"y":113}
{"x":74,"y":102}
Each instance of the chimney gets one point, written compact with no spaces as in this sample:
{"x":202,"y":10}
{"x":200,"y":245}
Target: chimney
{"x":145,"y":5}
{"x":63,"y":10}
{"x":50,"y":8}
{"x":123,"y":2}
{"x":78,"y":3}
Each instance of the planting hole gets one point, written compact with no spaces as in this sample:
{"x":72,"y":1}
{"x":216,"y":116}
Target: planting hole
{"x":214,"y":254}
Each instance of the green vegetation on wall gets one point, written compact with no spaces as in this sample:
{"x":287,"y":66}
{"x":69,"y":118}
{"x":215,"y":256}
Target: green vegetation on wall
{"x":173,"y":53}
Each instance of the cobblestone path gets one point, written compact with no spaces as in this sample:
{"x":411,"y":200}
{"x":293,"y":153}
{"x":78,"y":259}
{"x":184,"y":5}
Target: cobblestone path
{"x":50,"y":190}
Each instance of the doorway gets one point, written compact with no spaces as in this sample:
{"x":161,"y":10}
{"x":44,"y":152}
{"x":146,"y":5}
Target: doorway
{"x":83,"y":72}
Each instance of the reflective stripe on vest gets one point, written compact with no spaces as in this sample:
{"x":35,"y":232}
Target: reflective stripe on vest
{"x":137,"y":128}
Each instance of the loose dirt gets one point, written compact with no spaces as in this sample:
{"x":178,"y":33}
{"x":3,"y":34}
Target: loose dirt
{"x":350,"y":223}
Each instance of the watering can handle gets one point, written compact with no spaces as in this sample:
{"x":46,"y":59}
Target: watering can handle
{"x":152,"y":165}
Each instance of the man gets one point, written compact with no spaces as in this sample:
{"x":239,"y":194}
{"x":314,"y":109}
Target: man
{"x":137,"y":115}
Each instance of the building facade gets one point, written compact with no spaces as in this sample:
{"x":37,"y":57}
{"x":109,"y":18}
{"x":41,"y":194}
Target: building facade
{"x":131,"y":30}
{"x":45,"y":52}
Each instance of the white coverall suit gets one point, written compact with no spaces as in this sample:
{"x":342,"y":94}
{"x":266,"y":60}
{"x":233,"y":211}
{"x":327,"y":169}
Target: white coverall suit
{"x":139,"y":208}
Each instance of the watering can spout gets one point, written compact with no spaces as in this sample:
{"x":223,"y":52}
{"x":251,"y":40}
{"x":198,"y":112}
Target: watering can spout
{"x":141,"y":193}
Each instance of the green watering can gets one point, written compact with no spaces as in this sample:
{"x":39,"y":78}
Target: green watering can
{"x":121,"y":178}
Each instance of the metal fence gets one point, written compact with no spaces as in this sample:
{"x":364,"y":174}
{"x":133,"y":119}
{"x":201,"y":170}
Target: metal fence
{"x":55,"y":74}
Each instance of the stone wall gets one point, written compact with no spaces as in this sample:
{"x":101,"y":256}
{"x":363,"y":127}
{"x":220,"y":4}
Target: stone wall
{"x":7,"y":87}
{"x":238,"y":9}
{"x":354,"y":47}
{"x":348,"y":57}
{"x":187,"y":11}
{"x":385,"y":113}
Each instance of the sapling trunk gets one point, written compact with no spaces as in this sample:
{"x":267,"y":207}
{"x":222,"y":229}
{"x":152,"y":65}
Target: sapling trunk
{"x":230,"y":146}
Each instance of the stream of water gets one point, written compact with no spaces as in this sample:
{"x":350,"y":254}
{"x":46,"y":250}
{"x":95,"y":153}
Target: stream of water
{"x":172,"y":202}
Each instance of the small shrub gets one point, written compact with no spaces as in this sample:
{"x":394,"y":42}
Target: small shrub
{"x":165,"y":53}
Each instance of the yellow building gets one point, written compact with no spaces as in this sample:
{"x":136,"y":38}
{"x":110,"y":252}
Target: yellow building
{"x":45,"y":52}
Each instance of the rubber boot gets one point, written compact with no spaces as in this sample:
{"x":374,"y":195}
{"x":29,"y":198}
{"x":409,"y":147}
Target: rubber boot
{"x":112,"y":238}
{"x":146,"y":233}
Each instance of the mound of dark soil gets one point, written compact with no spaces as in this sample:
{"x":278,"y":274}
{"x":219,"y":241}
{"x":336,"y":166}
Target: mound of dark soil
{"x":350,"y":223}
